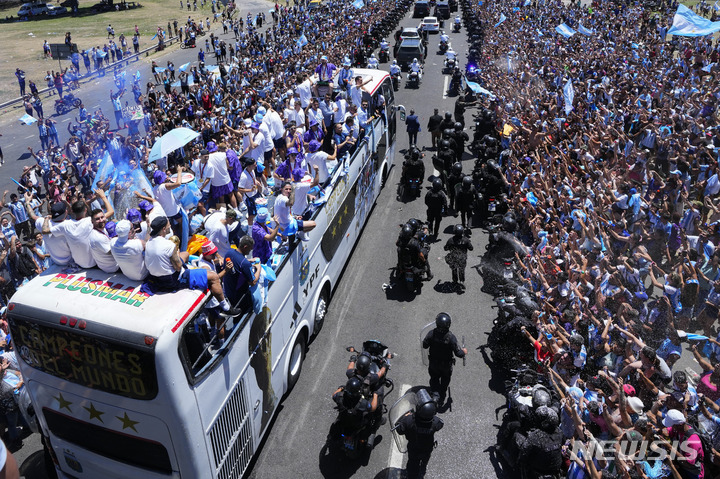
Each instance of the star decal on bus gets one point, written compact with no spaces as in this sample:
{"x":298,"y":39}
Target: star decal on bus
{"x":63,"y":403}
{"x":94,"y":413}
{"x":127,"y":422}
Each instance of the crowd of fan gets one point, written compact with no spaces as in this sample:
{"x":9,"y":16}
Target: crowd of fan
{"x":619,"y":201}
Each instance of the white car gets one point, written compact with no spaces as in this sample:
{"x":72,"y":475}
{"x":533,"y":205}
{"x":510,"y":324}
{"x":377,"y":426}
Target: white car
{"x":55,"y":10}
{"x":409,"y":32}
{"x":30,"y":9}
{"x":430,"y":24}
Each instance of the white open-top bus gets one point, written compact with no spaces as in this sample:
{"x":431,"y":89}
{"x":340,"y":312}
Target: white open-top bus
{"x":125,"y":385}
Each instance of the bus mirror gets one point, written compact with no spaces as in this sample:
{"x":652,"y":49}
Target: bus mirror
{"x":401,"y":109}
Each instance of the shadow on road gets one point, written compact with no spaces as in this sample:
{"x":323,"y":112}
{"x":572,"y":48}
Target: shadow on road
{"x":391,"y":473}
{"x":34,"y":467}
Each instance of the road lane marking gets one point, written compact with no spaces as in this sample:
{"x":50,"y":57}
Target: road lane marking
{"x":31,"y":136}
{"x":395,"y":461}
{"x":445,"y":87}
{"x":66,"y":119}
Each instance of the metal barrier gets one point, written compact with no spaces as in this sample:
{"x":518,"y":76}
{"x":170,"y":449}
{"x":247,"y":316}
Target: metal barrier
{"x":101,"y":71}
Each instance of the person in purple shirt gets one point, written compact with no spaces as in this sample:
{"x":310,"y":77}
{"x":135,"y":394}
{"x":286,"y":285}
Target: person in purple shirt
{"x":263,"y":235}
{"x":325,"y":72}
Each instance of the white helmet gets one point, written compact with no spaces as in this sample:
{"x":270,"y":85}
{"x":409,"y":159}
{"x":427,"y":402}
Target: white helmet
{"x":414,"y":60}
{"x":394,"y":62}
{"x":372,"y":55}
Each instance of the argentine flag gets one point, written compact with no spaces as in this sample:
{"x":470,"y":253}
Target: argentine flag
{"x":568,"y":96}
{"x":564,"y":30}
{"x":359,"y":4}
{"x":502,"y":19}
{"x":302,"y":41}
{"x":585,"y":31}
{"x":184,"y":67}
{"x":687,"y":23}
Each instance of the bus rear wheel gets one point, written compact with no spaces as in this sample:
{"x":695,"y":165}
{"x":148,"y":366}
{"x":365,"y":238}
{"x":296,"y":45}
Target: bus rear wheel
{"x":297,"y":357}
{"x":320,"y":311}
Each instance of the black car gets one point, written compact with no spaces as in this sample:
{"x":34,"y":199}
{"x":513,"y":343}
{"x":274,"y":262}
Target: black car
{"x":453,"y":5}
{"x":409,"y":49}
{"x":422,"y":9}
{"x":442,"y":11}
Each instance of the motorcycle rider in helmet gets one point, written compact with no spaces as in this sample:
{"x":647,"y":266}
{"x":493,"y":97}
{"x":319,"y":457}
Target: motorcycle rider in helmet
{"x":464,"y":198}
{"x":442,"y":345}
{"x":417,"y":68}
{"x":360,"y":368}
{"x":457,"y":248}
{"x":353,"y":407}
{"x":540,"y":450}
{"x":422,"y":237}
{"x":454,"y":178}
{"x":457,"y":21}
{"x":444,"y":38}
{"x":419,"y":427}
{"x":436,"y":202}
{"x":373,"y":62}
{"x":460,"y":138}
{"x":384,"y":44}
{"x":409,"y":251}
{"x":395,"y":69}
{"x":413,"y":166}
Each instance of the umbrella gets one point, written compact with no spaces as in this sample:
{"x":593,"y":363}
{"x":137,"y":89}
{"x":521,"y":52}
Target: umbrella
{"x":171,"y":141}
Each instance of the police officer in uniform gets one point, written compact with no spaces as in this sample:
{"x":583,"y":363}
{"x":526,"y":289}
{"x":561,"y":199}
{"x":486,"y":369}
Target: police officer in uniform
{"x":409,"y":250}
{"x":422,"y":236}
{"x":419,"y":427}
{"x":461,"y":104}
{"x":436,"y":202}
{"x":454,"y":178}
{"x":353,"y":407}
{"x":442,"y":344}
{"x":359,"y":367}
{"x":465,"y":198}
{"x":445,"y":157}
{"x":457,"y":248}
{"x":413,"y":166}
{"x":460,"y":138}
{"x":447,"y":123}
{"x":540,"y":451}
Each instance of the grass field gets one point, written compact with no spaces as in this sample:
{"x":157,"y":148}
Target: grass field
{"x":22,"y":41}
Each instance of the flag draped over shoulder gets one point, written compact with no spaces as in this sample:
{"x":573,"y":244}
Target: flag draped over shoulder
{"x":686,"y":23}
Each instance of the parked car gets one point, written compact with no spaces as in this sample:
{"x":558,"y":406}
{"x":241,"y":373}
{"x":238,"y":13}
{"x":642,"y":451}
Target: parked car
{"x":430,"y":24}
{"x":55,"y":10}
{"x":32,"y":9}
{"x":422,"y":8}
{"x":410,"y":49}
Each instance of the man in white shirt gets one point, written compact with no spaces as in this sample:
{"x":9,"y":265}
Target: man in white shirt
{"x":275,"y":124}
{"x":302,"y":184}
{"x":221,"y":229}
{"x":304,"y":89}
{"x":100,"y":242}
{"x":249,"y":187}
{"x":298,"y":116}
{"x":203,"y":176}
{"x":57,"y":246}
{"x":77,"y":231}
{"x":324,"y":162}
{"x":356,"y":91}
{"x":164,"y":196}
{"x":221,"y":186}
{"x":129,"y":251}
{"x":267,"y":145}
{"x":166,"y":273}
{"x":341,"y":108}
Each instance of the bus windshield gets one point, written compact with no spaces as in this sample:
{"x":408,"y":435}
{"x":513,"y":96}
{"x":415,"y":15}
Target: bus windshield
{"x":90,"y":361}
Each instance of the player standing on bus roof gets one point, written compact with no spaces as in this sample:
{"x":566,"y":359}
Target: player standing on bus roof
{"x":166,"y":272}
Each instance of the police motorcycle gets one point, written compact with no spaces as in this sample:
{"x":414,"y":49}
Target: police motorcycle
{"x":395,"y":75}
{"x":384,"y":54}
{"x":456,"y":25}
{"x":413,"y":173}
{"x":409,"y":269}
{"x":372,"y":62}
{"x":353,"y":433}
{"x":450,"y":62}
{"x":444,"y":43}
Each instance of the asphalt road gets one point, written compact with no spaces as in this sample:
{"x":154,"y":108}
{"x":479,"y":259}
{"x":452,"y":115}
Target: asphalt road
{"x":361,"y":310}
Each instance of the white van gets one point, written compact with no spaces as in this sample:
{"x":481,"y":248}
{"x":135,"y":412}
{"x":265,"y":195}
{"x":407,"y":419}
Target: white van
{"x":32,"y":9}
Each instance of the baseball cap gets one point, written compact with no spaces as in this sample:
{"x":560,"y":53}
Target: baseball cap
{"x":258,"y":118}
{"x":292,"y":151}
{"x":159,"y":177}
{"x":629,"y":389}
{"x":158,"y":224}
{"x":209,"y":247}
{"x":122,"y":229}
{"x":58,"y":211}
{"x":673,"y":418}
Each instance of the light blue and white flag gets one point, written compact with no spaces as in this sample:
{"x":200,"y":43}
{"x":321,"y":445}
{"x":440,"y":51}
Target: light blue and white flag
{"x":184,"y":67}
{"x":101,"y":54}
{"x":137,"y":76}
{"x":585,"y":31}
{"x":502,"y":19}
{"x":565,"y":31}
{"x":527,"y":3}
{"x":359,"y":4}
{"x":302,"y":41}
{"x":716,"y":6}
{"x":27,"y":119}
{"x":687,"y":23}
{"x":160,"y":69}
{"x":476,"y":88}
{"x":708,"y":68}
{"x":568,"y":96}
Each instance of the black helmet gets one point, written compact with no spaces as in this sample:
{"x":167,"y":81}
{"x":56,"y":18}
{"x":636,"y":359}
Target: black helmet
{"x":447,"y":133}
{"x":458,"y":230}
{"x":509,"y":223}
{"x":457,"y":168}
{"x":445,"y":144}
{"x":437,"y":185}
{"x":547,"y":419}
{"x":415,"y":154}
{"x":406,"y":232}
{"x":443,"y":321}
{"x":363,"y":364}
{"x":427,"y":411}
{"x":540,"y":397}
{"x":353,"y":386}
{"x":493,"y":164}
{"x":458,"y":126}
{"x":467,"y":182}
{"x":414,"y":224}
{"x":448,"y":115}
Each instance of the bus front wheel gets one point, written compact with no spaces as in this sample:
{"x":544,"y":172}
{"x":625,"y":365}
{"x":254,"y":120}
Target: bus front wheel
{"x":321,"y":310}
{"x":297,"y":356}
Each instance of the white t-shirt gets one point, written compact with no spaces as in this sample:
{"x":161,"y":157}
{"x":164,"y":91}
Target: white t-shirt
{"x":100,"y":247}
{"x":267,"y":142}
{"x":282,"y":211}
{"x":341,"y":110}
{"x":247,"y":180}
{"x":166,"y":199}
{"x":157,"y":256}
{"x":217,"y":232}
{"x":76,"y":233}
{"x":275,"y":123}
{"x":257,"y":152}
{"x":57,"y":246}
{"x":157,"y":211}
{"x":202,"y":172}
{"x":130,"y":256}
{"x":319,"y":159}
{"x":298,"y":116}
{"x":304,"y":90}
{"x":356,"y":95}
{"x":301,"y":190}
{"x":218,"y":162}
